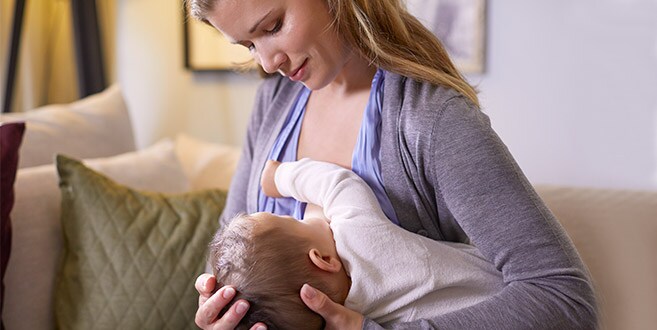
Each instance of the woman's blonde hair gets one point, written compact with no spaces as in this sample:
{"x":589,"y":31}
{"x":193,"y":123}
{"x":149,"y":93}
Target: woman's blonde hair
{"x":387,"y":35}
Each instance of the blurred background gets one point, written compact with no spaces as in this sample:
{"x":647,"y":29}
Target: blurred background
{"x":570,"y":86}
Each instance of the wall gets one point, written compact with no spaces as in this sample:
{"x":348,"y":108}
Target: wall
{"x":165,"y":98}
{"x":569,"y":86}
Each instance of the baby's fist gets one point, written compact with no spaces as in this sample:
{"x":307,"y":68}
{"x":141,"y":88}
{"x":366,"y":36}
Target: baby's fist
{"x":267,"y":179}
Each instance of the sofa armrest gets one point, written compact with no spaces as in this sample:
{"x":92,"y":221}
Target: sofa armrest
{"x":615,"y":232}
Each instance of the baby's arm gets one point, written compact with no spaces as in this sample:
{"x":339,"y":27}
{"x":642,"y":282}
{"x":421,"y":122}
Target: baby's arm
{"x":340,"y":192}
{"x":267,"y":179}
{"x":404,"y":266}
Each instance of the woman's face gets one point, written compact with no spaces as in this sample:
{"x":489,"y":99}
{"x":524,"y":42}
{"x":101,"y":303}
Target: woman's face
{"x":288,"y":36}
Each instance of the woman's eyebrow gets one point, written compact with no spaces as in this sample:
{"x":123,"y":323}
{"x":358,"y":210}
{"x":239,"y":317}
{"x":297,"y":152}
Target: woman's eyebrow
{"x":252,"y":29}
{"x":255,"y":26}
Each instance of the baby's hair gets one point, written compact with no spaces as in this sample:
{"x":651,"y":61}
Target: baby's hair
{"x":267,"y":266}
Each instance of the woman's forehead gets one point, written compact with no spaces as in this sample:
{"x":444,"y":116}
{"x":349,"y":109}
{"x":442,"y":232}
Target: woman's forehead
{"x":234,"y":18}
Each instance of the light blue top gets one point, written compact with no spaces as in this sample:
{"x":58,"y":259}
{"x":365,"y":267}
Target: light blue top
{"x":365,"y":160}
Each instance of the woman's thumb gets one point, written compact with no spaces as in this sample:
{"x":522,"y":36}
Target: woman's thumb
{"x":316,"y":300}
{"x":335,"y":315}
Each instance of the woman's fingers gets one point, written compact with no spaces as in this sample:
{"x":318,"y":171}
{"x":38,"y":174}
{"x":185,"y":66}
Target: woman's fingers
{"x":208,"y":313}
{"x":335,"y":315}
{"x":259,"y":326}
{"x":204,"y":285}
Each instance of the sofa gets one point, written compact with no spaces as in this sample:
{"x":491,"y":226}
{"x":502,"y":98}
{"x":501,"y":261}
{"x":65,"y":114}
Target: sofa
{"x":615,"y":231}
{"x":97,"y":130}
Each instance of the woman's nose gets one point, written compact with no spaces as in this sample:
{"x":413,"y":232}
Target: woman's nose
{"x":271,"y":61}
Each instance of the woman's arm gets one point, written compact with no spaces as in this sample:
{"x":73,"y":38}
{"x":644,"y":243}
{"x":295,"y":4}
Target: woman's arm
{"x":472,"y":173}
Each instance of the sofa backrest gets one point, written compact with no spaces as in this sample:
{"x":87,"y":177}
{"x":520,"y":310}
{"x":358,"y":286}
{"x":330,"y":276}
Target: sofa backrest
{"x":615,"y":232}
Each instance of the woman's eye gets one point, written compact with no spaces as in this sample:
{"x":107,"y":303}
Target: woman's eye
{"x":276,"y":27}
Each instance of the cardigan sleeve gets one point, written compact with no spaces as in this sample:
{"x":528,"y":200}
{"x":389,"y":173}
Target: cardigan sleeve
{"x":473,"y":173}
{"x":237,"y":192}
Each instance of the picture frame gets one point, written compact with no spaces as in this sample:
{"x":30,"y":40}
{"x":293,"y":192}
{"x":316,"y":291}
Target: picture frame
{"x":206,"y":49}
{"x":461,"y":27}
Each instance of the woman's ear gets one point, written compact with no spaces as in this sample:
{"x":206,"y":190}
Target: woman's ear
{"x":326,"y":263}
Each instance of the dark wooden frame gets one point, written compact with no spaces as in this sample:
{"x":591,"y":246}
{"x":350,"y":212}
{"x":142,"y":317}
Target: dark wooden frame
{"x":14,"y":46}
{"x":214,"y":40}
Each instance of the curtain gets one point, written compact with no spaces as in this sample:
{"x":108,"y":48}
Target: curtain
{"x":46,"y":63}
{"x":47,"y":70}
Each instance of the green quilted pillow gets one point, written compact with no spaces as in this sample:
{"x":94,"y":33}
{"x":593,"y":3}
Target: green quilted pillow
{"x":130,"y":258}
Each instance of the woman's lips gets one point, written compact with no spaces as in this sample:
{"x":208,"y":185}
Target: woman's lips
{"x":300,"y":72}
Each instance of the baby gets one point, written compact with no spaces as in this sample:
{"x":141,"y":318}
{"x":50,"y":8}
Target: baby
{"x":357,"y":257}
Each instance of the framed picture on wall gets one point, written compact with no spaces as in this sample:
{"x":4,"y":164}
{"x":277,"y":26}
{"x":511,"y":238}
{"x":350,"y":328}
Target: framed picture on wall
{"x":460,"y":25}
{"x":206,"y":49}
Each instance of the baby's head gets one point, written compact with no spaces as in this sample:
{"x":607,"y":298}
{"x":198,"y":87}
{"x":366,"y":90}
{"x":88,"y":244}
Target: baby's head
{"x":268,"y":258}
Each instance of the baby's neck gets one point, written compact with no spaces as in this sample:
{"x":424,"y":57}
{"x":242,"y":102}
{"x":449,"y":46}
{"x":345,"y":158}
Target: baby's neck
{"x":343,"y":283}
{"x":313,"y":211}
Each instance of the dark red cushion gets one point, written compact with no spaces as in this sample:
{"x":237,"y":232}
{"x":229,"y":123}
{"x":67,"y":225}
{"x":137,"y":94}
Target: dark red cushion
{"x":11,"y":135}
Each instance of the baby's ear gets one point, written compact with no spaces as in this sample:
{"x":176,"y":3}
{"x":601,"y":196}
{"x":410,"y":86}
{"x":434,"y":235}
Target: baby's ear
{"x":326,"y":263}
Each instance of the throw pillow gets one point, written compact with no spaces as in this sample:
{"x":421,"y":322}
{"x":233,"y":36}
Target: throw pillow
{"x":96,"y":126}
{"x":11,"y":136}
{"x":36,"y":227}
{"x":207,"y":165}
{"x":130,"y":258}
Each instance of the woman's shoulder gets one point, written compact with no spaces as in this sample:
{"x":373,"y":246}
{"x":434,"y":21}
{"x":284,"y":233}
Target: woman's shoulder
{"x":420,"y":103}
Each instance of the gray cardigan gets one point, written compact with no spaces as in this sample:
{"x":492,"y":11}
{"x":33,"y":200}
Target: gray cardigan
{"x":450,"y":177}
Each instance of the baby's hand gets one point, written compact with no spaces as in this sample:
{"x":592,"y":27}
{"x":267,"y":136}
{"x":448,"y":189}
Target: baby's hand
{"x":267,"y":179}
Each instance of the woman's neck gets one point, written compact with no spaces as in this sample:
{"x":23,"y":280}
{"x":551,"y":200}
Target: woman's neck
{"x":355,"y":76}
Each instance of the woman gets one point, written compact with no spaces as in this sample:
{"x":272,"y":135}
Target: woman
{"x":364,"y":85}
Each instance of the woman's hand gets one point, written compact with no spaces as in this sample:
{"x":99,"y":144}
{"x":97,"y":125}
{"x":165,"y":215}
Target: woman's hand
{"x":335,"y":315}
{"x":209,"y":306}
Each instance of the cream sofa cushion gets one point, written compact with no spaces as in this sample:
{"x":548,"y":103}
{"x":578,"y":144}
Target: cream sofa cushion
{"x":37,"y":230}
{"x":207,"y":165}
{"x":96,"y":126}
{"x":615,"y":232}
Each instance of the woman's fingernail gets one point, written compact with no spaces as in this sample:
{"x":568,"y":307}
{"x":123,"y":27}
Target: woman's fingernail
{"x":207,"y":283}
{"x":228,"y":293}
{"x":261,"y":327}
{"x":241,"y":308}
{"x":309,"y":291}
